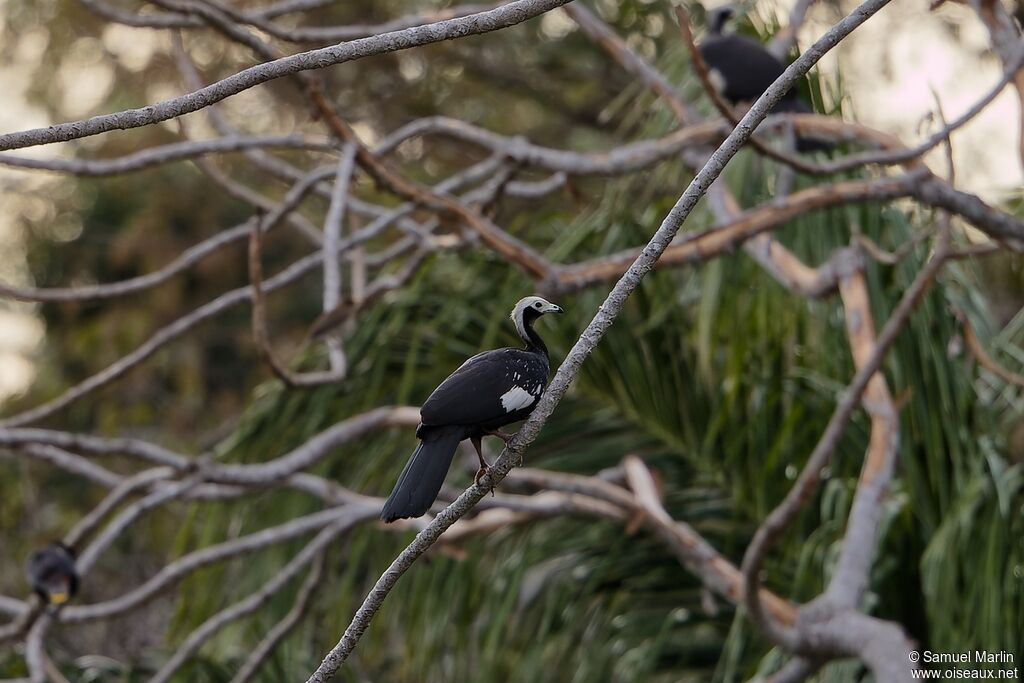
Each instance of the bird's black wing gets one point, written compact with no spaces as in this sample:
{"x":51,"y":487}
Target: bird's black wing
{"x":487,"y":388}
{"x":746,"y":67}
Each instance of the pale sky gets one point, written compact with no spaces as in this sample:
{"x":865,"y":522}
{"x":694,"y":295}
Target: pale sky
{"x":890,"y":66}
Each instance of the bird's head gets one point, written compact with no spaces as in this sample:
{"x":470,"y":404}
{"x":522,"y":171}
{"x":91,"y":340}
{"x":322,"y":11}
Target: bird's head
{"x":525,"y":313}
{"x":532,"y":307}
{"x":719,"y":17}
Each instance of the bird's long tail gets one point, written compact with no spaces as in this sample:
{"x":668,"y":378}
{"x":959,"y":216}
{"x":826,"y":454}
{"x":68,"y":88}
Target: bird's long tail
{"x":423,"y":475}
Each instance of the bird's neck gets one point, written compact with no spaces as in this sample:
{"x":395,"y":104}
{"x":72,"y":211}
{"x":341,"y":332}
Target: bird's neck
{"x":529,"y":335}
{"x":718,"y":22}
{"x":534,"y":342}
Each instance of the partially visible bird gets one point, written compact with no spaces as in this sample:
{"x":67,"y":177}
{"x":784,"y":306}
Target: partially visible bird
{"x":51,"y":571}
{"x":741,"y":69}
{"x":490,"y":390}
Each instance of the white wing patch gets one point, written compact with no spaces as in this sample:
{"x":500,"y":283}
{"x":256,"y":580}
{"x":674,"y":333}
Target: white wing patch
{"x":717,"y":80}
{"x":516,"y":398}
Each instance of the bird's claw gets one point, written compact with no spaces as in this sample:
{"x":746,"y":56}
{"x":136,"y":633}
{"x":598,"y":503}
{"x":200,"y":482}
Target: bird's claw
{"x":480,"y":474}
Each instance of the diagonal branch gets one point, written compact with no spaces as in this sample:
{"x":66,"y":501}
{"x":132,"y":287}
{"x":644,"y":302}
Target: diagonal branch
{"x":589,"y":339}
{"x":780,"y":518}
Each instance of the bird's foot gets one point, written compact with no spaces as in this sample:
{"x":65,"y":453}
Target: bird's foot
{"x":480,"y":474}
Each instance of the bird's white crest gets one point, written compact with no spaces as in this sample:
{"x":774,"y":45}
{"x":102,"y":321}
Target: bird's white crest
{"x":537,"y":303}
{"x":516,"y":398}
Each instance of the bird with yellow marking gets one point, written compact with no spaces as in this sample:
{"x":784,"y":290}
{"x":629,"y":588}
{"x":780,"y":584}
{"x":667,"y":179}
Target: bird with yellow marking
{"x":51,"y":571}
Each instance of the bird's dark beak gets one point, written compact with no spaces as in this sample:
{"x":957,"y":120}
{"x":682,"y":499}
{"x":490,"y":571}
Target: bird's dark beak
{"x":555,"y":309}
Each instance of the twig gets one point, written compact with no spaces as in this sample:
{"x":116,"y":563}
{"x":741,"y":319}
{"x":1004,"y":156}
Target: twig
{"x":896,"y":156}
{"x":281,"y":629}
{"x":185,"y":260}
{"x":622,"y":159}
{"x":260,"y":334}
{"x":70,"y":462}
{"x":12,"y":606}
{"x":126,"y":488}
{"x":264,"y":204}
{"x":332,"y":241}
{"x":316,"y":448}
{"x":890,"y":258}
{"x":178,"y":569}
{"x":86,"y":443}
{"x":35,"y":649}
{"x":948,"y":143}
{"x":253,"y":602}
{"x":282,"y":7}
{"x":167,"y":20}
{"x":126,"y":518}
{"x":335,"y":34}
{"x":977,"y":349}
{"x":632,"y":62}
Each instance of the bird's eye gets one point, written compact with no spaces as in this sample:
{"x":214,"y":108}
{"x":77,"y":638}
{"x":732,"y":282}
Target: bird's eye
{"x":537,"y":305}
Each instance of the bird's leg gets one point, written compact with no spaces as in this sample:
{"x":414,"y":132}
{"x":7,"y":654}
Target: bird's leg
{"x":484,"y":467}
{"x":501,"y":435}
{"x":506,"y":437}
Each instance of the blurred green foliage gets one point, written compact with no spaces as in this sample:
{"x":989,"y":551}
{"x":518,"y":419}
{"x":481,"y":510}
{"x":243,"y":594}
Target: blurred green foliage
{"x":719,"y":378}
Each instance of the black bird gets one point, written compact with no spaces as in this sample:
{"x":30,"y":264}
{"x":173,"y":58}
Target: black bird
{"x":490,"y":390}
{"x":741,"y":69}
{"x":51,"y":571}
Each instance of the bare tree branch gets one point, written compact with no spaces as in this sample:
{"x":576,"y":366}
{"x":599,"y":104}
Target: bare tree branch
{"x":165,"y":154}
{"x":332,"y":241}
{"x":850,"y":579}
{"x":780,"y":518}
{"x":281,"y":629}
{"x":501,"y":17}
{"x":254,"y":601}
{"x":184,"y":261}
{"x":588,"y":340}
